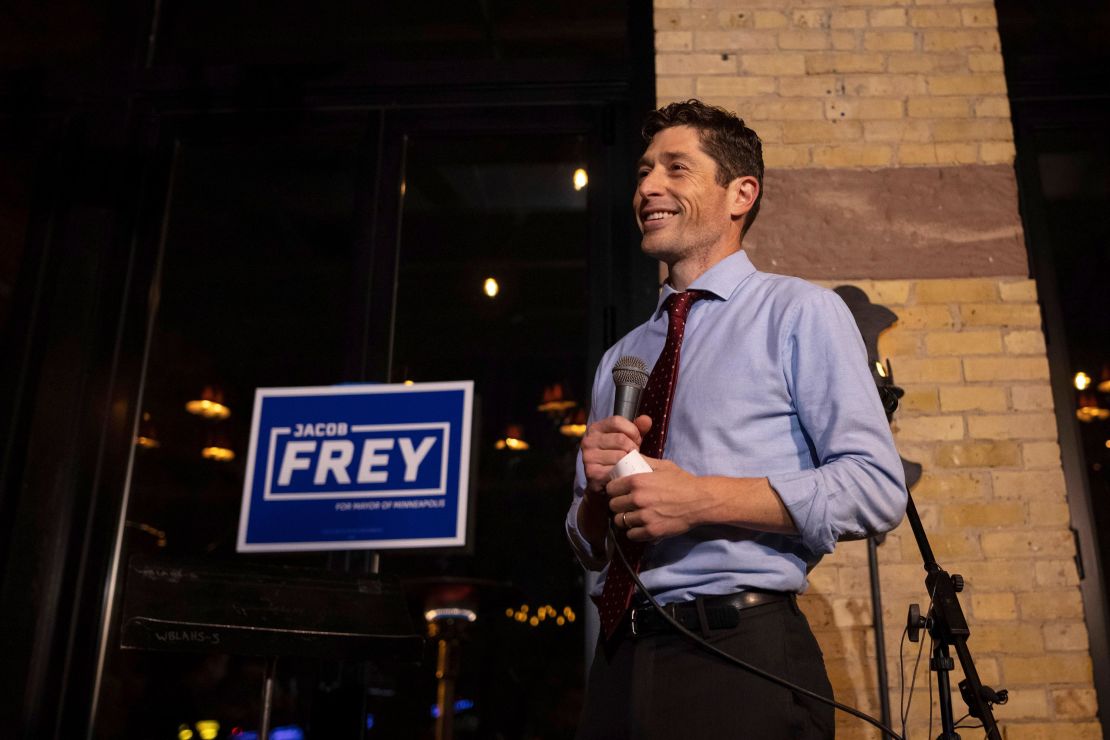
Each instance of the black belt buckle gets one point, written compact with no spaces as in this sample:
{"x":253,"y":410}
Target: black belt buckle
{"x":637,"y":629}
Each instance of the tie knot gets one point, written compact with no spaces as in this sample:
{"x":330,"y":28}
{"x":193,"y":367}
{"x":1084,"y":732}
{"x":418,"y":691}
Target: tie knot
{"x":678,"y":304}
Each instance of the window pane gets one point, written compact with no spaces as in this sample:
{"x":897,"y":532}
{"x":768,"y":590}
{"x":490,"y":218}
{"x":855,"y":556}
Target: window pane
{"x":256,"y":289}
{"x":1074,"y":167}
{"x":505,"y":209}
{"x":15,"y":206}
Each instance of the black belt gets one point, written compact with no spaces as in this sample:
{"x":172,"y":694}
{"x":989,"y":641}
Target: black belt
{"x":720,"y":612}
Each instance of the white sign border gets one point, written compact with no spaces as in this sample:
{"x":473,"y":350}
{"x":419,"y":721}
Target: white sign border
{"x":459,"y":540}
{"x":440,"y":490}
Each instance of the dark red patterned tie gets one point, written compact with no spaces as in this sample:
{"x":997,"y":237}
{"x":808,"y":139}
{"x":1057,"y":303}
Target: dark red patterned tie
{"x":656,"y":403}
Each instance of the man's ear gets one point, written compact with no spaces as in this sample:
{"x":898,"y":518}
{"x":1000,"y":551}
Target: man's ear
{"x":742,"y":193}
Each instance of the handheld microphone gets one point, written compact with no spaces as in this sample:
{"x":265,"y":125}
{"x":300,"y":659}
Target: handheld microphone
{"x":630,"y":375}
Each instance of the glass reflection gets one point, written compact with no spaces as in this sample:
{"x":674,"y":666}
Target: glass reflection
{"x":477,"y":207}
{"x":255,"y":290}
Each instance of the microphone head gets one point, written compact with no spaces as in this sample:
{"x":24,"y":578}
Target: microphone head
{"x":630,"y":371}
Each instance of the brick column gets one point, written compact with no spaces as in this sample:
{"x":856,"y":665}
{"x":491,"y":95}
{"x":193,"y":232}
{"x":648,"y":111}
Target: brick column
{"x":888,"y":140}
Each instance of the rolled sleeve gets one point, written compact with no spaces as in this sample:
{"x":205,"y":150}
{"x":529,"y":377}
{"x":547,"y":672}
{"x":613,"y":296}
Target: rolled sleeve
{"x":799,"y":493}
{"x":857,"y":487}
{"x":590,"y":559}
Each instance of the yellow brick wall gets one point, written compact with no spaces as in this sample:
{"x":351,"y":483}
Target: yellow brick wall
{"x":833,"y":84}
{"x":977,"y":415}
{"x":856,"y":83}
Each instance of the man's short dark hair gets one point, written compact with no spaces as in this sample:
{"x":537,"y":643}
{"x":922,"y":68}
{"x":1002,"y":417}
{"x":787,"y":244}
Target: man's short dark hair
{"x":735,"y":148}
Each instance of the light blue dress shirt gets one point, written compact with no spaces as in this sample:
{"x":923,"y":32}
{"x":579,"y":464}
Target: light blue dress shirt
{"x":773,"y":382}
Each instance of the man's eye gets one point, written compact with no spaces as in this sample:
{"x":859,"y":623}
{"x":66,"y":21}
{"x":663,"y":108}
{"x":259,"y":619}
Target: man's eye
{"x":678,"y":166}
{"x":641,"y":174}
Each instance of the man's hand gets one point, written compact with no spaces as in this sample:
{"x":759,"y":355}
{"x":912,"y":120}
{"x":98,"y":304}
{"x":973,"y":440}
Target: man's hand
{"x":671,"y":501}
{"x":663,"y":503}
{"x":604,"y":444}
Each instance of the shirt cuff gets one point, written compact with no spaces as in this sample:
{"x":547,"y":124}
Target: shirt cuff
{"x":800,"y":493}
{"x":583,"y":549}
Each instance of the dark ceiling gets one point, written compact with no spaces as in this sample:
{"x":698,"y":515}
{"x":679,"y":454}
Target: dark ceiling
{"x":1055,"y":48}
{"x":214,"y":32}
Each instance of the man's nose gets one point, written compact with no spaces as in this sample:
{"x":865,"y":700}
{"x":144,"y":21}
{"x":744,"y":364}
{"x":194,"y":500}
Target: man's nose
{"x":650,"y":183}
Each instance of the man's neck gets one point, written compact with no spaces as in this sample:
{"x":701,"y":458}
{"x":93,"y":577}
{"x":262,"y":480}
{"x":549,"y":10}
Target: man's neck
{"x":682,"y":274}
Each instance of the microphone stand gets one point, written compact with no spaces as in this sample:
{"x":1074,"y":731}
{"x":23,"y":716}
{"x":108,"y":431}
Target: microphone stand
{"x":877,"y":623}
{"x":948,"y":628}
{"x":945,"y":621}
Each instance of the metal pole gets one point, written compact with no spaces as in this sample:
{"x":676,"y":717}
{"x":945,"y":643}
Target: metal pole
{"x":880,"y":642}
{"x":267,"y":698}
{"x":372,"y":565}
{"x":942,"y":664}
{"x":445,"y":689}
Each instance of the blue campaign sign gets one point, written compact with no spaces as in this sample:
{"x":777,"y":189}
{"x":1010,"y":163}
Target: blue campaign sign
{"x":357,"y":467}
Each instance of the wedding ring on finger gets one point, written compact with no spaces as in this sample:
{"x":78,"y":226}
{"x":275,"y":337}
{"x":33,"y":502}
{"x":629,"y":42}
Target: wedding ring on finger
{"x":624,"y":519}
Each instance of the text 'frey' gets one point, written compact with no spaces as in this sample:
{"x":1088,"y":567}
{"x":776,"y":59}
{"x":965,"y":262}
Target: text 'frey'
{"x":334,"y":460}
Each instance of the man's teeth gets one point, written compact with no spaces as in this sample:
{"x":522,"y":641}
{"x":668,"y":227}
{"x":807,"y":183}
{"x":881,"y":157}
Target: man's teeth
{"x":658,"y":216}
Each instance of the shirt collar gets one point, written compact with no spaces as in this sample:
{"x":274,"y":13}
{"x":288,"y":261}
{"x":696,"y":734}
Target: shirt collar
{"x":721,"y":279}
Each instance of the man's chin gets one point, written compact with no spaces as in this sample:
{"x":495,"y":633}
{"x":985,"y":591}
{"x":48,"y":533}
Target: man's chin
{"x":657,"y":249}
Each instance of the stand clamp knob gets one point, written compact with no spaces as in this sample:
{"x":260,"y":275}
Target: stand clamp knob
{"x":915,"y":623}
{"x":957,"y":582}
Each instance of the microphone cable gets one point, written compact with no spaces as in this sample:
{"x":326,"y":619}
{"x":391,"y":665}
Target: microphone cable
{"x":701,"y":642}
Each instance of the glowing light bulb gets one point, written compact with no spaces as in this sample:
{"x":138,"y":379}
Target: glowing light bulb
{"x":1089,"y":410}
{"x":208,"y":409}
{"x":1082,"y":381}
{"x":219,"y":454}
{"x":581,"y":179}
{"x":491,"y":288}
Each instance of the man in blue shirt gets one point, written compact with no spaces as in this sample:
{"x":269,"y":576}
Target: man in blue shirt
{"x":776,"y":448}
